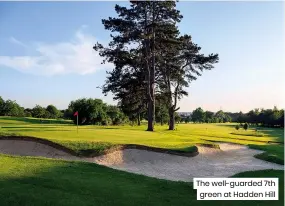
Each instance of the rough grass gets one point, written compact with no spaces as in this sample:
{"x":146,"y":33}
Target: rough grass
{"x":95,"y":139}
{"x":27,"y":181}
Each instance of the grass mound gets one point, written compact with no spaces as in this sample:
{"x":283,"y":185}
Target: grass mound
{"x":274,"y":153}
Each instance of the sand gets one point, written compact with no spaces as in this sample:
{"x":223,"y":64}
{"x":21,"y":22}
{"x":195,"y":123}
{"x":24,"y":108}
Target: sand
{"x":230,"y":159}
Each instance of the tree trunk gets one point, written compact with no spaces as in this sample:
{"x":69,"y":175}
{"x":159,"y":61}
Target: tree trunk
{"x":151,"y":100}
{"x":151,"y":77}
{"x":171,"y":120}
{"x":150,"y":116}
{"x":139,"y":119}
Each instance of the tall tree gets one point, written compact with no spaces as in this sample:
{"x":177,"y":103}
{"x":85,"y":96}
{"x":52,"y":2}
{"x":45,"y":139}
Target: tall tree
{"x":130,"y":90}
{"x":2,"y":102}
{"x":181,"y":63}
{"x":161,"y":109}
{"x":138,"y":26}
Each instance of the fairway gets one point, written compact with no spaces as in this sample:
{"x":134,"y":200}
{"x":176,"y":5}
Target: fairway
{"x":95,"y":139}
{"x":185,"y":137}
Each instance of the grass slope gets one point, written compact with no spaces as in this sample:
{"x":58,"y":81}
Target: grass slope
{"x":99,"y":138}
{"x":29,"y":181}
{"x":274,"y":153}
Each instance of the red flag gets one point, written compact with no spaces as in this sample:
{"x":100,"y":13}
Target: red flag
{"x":75,"y":114}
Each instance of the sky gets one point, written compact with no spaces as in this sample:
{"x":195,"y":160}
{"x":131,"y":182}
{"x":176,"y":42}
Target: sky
{"x":46,"y":54}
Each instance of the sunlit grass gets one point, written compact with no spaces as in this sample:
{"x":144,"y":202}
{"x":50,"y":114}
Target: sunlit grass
{"x":39,"y":181}
{"x":185,"y":137}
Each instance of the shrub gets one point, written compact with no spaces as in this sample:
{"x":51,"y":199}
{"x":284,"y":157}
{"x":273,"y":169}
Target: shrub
{"x":237,"y":127}
{"x":245,"y":126}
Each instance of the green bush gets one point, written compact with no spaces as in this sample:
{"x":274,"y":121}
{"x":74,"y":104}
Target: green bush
{"x":245,"y":126}
{"x":237,"y":127}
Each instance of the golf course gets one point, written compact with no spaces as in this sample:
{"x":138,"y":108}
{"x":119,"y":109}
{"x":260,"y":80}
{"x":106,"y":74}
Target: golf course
{"x":36,"y":180}
{"x":142,"y":103}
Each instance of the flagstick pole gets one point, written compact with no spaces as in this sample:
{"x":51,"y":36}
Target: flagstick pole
{"x":77,"y":123}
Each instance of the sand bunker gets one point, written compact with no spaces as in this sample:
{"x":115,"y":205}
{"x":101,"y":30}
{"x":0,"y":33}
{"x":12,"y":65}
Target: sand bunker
{"x":33,"y":148}
{"x":210,"y":162}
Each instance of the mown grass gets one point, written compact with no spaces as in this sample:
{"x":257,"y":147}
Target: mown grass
{"x":27,"y":181}
{"x":274,"y":153}
{"x":95,"y":139}
{"x":249,"y":133}
{"x":31,"y":120}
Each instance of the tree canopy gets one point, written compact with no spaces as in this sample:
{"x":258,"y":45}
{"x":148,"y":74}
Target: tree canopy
{"x":150,"y":57}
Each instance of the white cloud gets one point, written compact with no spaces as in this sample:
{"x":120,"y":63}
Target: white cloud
{"x":16,"y":41}
{"x":74,"y":56}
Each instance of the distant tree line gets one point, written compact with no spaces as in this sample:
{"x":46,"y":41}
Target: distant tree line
{"x":260,"y":117}
{"x":265,"y":117}
{"x":201,"y":116}
{"x":12,"y":108}
{"x":95,"y":111}
{"x":91,"y":111}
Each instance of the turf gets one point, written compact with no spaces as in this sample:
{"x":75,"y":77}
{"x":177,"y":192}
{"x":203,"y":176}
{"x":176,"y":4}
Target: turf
{"x":99,"y":138}
{"x":27,"y":181}
{"x":40,"y":181}
{"x":274,"y":153}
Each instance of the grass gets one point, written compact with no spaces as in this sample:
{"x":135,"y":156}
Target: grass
{"x":274,"y":153}
{"x":31,"y":120}
{"x":27,"y":181}
{"x":246,"y":133}
{"x":96,"y":139}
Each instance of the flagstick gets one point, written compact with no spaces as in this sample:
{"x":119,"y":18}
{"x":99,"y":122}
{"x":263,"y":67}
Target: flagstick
{"x":77,"y":123}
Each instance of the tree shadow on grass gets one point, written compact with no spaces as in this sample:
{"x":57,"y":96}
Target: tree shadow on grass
{"x":267,"y":131}
{"x":37,"y":121}
{"x":101,"y":128}
{"x":28,"y":127}
{"x":273,"y":132}
{"x":35,"y":181}
{"x":17,"y":131}
{"x":76,"y":183}
{"x":226,"y":125}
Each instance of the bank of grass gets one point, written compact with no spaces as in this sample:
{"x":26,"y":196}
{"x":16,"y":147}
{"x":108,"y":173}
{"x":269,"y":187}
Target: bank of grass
{"x":27,"y":181}
{"x":273,"y":153}
{"x":96,"y":139}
